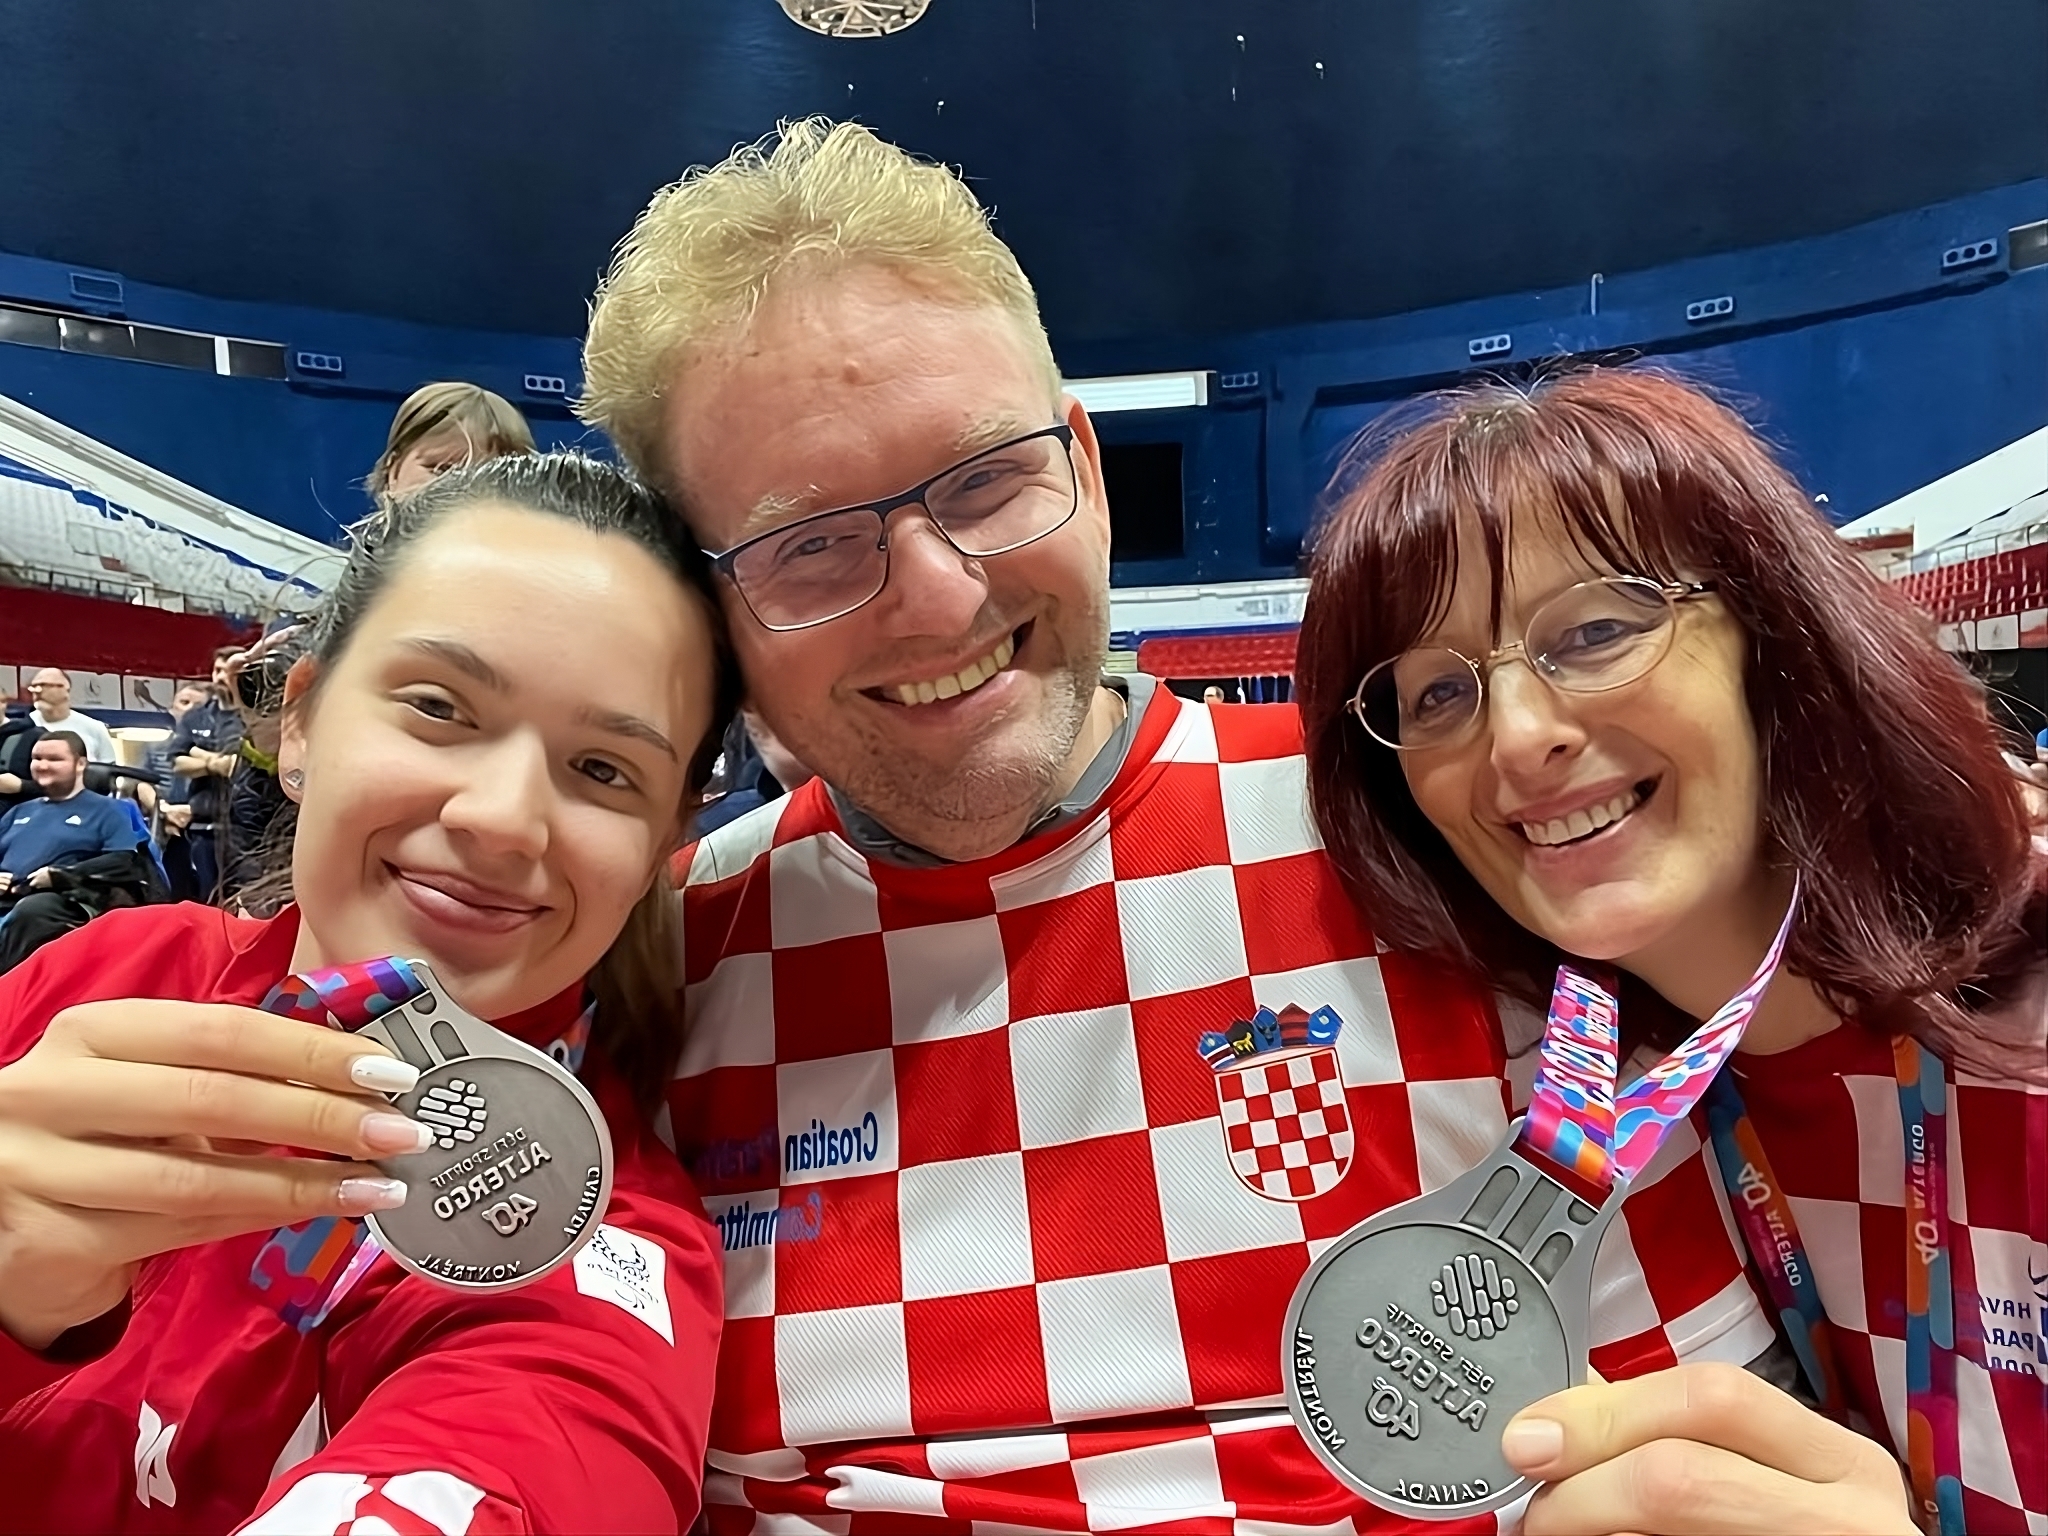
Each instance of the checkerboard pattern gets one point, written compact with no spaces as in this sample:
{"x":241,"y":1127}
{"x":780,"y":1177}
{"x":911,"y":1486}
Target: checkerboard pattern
{"x":993,"y":1257}
{"x":1286,"y":1125}
{"x":1828,"y":1117}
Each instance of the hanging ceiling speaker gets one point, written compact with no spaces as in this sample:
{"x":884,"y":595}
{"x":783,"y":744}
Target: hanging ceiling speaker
{"x":854,"y":18}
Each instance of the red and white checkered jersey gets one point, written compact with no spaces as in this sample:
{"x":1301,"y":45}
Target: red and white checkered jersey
{"x":1827,"y":1115}
{"x":1003,"y":1250}
{"x":576,"y":1404}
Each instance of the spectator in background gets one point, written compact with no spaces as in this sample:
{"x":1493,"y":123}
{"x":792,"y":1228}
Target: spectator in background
{"x":2034,"y":779}
{"x":254,"y":798}
{"x":157,"y":755}
{"x":158,"y":758}
{"x":53,"y":712}
{"x":170,"y":801}
{"x":440,"y":426}
{"x":45,"y":843}
{"x":758,"y":768}
{"x":205,"y":748}
{"x":18,"y":735}
{"x":65,"y":823}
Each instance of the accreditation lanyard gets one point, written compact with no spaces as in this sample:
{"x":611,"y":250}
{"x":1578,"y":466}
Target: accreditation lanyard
{"x":1933,"y":1435}
{"x":306,"y":1269}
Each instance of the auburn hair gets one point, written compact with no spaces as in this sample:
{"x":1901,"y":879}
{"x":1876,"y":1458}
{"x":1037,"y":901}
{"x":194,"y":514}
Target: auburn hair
{"x":1883,"y":782}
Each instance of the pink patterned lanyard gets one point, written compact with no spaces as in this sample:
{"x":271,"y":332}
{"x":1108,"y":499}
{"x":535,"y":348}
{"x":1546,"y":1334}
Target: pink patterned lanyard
{"x":1933,"y":1451}
{"x":308,"y":1268}
{"x":1576,"y":1121}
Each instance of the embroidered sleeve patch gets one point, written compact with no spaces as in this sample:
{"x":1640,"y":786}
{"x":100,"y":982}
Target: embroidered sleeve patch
{"x":629,"y":1272}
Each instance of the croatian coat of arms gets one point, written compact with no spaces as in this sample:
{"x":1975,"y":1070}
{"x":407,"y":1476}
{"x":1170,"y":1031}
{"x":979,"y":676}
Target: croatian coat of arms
{"x":1280,"y":1091}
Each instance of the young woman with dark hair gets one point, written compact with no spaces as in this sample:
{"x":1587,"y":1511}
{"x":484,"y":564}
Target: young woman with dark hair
{"x":501,"y":725}
{"x":1584,"y":678}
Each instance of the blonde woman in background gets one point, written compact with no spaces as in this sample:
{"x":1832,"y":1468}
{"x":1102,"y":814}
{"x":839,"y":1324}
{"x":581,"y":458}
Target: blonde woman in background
{"x":440,"y":426}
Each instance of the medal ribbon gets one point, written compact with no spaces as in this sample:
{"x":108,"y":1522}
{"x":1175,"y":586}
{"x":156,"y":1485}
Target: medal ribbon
{"x":1575,"y":1118}
{"x":1933,"y":1434}
{"x":308,"y":1268}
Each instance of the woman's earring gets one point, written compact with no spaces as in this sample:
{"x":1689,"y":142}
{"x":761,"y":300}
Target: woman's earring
{"x":294,"y":780}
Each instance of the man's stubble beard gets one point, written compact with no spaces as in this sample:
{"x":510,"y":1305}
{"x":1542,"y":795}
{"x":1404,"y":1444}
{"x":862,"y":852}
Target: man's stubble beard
{"x":908,"y":796}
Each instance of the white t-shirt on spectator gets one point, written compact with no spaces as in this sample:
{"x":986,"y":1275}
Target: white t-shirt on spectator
{"x":99,"y":741}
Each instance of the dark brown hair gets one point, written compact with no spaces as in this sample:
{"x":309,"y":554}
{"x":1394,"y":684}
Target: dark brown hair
{"x":1882,"y":779}
{"x":639,"y":1021}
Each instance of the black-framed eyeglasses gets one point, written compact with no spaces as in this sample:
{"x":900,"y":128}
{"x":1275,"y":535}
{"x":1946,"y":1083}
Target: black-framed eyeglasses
{"x":822,"y":567}
{"x":1589,"y":638}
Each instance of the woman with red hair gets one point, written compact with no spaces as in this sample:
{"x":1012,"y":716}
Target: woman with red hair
{"x":1584,"y":679}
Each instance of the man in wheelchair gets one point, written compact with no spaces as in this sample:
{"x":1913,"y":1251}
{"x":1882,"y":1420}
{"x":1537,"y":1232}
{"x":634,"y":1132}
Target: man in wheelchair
{"x":67,"y":856}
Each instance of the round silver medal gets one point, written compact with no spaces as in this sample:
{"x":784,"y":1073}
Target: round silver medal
{"x":520,"y":1171}
{"x":1410,"y":1349}
{"x":1414,"y":1339}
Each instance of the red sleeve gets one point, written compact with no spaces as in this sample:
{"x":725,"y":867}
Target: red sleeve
{"x":580,"y":1403}
{"x":171,"y":950}
{"x":73,"y":969}
{"x":39,"y":988}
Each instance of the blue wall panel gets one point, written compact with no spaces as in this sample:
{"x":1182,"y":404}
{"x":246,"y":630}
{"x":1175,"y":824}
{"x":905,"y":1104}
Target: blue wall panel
{"x":292,"y":452}
{"x":1873,"y":369}
{"x":1866,"y":409}
{"x":1863,"y":409}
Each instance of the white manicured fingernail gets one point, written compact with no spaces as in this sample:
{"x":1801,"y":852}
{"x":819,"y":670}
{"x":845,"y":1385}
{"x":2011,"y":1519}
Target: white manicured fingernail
{"x":394,"y":1133}
{"x":358,"y":1195}
{"x":383,"y":1074}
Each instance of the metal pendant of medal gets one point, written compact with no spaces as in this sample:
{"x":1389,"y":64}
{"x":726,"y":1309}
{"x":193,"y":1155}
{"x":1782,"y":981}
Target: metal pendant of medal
{"x":1417,"y":1335}
{"x":520,"y":1171}
{"x":1414,"y":1339}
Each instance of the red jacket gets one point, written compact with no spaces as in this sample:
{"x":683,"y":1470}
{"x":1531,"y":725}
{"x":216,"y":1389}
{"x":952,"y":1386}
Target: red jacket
{"x":580,"y":1403}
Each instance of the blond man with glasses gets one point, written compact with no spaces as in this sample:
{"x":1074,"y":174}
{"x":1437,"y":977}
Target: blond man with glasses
{"x":1034,"y":1048}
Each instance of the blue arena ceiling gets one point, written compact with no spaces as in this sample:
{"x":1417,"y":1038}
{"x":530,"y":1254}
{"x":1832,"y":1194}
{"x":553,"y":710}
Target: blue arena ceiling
{"x":1164,"y":167}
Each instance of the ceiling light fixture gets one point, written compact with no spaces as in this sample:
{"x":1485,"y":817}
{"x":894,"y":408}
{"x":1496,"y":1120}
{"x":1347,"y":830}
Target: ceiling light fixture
{"x":1140,"y":391}
{"x":854,"y":18}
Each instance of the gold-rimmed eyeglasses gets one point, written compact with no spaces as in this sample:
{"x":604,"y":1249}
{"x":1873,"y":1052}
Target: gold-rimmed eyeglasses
{"x":1591,"y":637}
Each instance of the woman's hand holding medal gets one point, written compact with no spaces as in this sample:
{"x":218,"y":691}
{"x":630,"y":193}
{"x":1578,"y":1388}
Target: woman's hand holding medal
{"x":1700,"y":1448}
{"x":136,"y":1127}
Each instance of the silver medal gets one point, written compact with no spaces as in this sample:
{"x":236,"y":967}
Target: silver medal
{"x":520,"y":1171}
{"x":1414,"y":1339}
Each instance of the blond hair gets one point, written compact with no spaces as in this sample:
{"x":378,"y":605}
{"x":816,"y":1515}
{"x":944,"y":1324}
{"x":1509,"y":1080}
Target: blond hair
{"x":822,"y":195}
{"x":491,"y":423}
